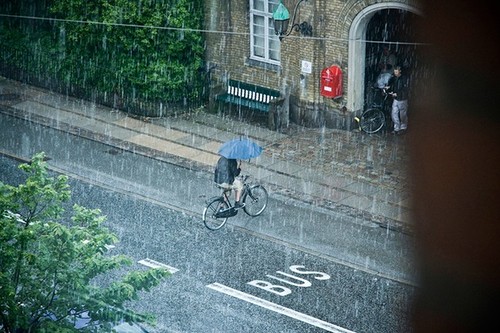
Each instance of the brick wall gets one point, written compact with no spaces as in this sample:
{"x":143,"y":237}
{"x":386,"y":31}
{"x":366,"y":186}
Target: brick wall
{"x":228,"y":46}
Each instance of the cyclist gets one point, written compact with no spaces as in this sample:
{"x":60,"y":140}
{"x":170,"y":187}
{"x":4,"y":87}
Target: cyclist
{"x":382,"y":82}
{"x":384,"y":77}
{"x":226,"y":176}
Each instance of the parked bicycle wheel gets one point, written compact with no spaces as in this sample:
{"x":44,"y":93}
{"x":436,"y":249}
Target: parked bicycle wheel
{"x":255,"y":200}
{"x":372,"y":121}
{"x":212,"y":216}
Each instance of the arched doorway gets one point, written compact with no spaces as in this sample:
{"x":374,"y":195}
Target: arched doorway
{"x":381,"y":24}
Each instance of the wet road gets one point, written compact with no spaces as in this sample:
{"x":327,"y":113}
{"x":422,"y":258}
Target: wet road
{"x":352,"y":276}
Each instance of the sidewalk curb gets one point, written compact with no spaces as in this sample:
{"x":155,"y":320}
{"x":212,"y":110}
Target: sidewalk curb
{"x":9,"y":98}
{"x":286,"y":194}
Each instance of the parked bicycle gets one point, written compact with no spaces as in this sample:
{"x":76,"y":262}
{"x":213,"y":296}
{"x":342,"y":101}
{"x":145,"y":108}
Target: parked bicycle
{"x":220,"y":208}
{"x":377,"y":116}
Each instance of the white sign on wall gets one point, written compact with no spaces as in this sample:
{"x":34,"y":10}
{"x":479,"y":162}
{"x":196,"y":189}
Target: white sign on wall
{"x":306,"y":67}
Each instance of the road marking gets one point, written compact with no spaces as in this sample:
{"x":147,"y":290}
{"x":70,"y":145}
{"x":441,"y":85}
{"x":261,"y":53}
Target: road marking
{"x":278,"y":308}
{"x":155,"y":264}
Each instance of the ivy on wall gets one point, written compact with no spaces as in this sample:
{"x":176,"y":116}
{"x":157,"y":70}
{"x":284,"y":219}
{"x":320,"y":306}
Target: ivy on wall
{"x":141,"y":56}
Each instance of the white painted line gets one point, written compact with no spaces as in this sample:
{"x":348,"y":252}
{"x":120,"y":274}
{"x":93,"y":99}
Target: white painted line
{"x":155,"y":264}
{"x":278,"y":308}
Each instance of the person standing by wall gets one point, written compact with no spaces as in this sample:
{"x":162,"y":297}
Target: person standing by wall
{"x":387,"y":58}
{"x":398,"y":89}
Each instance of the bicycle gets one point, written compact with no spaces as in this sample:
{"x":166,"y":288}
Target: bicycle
{"x":375,"y":118}
{"x":219,"y":208}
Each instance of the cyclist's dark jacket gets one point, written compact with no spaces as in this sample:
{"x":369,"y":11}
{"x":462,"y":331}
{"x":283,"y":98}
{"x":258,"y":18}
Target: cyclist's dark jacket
{"x":226,"y":170}
{"x":399,"y":85}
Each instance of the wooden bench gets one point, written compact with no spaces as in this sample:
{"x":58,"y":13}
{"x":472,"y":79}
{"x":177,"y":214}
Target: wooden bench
{"x":249,"y":95}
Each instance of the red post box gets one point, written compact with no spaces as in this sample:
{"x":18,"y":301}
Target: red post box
{"x":331,"y":82}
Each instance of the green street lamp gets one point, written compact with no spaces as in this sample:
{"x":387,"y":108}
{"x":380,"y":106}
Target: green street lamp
{"x":281,"y":19}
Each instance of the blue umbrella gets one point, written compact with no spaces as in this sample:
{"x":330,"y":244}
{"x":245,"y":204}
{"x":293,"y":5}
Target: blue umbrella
{"x":240,"y":149}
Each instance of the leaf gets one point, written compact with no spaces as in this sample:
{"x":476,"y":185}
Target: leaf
{"x":50,"y":266}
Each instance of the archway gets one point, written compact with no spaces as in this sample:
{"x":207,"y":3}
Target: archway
{"x":358,"y":49}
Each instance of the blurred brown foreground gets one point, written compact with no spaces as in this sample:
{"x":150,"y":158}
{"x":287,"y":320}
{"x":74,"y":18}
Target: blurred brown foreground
{"x":455,"y":135}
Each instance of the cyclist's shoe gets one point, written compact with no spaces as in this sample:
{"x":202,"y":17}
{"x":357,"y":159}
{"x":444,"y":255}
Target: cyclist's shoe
{"x":238,"y":205}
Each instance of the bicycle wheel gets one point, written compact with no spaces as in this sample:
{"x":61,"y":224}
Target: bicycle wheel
{"x":372,"y":121}
{"x":210,"y":218}
{"x":255,"y":200}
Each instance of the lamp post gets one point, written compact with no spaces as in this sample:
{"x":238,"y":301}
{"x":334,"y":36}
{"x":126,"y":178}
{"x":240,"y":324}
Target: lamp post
{"x":281,"y":18}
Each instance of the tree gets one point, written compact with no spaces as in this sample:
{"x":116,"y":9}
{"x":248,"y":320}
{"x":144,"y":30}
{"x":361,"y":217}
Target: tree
{"x":50,"y":264}
{"x":139,"y":56}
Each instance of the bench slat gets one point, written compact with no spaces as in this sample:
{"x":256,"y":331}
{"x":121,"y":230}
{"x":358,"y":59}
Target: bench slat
{"x":248,"y":95}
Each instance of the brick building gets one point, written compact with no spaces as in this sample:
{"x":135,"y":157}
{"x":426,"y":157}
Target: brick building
{"x":349,"y":34}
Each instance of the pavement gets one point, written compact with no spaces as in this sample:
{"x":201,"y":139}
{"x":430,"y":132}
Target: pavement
{"x":347,"y":171}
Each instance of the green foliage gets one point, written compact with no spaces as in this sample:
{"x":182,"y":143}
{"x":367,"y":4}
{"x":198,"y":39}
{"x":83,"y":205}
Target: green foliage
{"x":128,"y":54}
{"x":49,"y":265}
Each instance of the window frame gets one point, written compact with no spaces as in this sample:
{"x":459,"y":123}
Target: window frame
{"x":269,"y":35}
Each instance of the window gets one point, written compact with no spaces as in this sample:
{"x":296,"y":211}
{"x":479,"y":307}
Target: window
{"x":264,"y":43}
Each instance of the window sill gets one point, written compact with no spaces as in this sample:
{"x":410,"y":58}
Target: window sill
{"x":263,"y":65}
